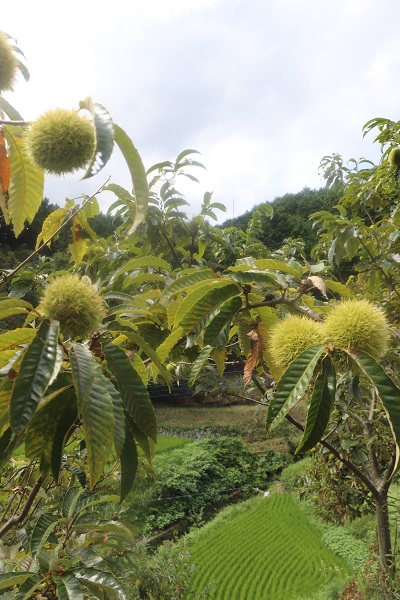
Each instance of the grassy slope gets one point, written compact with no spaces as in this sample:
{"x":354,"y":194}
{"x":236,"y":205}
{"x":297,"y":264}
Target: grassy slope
{"x":269,"y":551}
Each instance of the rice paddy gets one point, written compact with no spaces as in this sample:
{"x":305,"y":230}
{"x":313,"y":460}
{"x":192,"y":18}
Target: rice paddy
{"x":270,"y":551}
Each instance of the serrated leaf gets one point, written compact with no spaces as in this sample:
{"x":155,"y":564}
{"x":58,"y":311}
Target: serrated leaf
{"x":10,"y":110}
{"x":26,"y":183}
{"x":118,"y":417}
{"x":129,"y":462}
{"x":134,"y":393}
{"x":16,"y":337}
{"x":202,"y":301}
{"x":244,"y":340}
{"x":388,"y":392}
{"x":150,"y":353}
{"x":43,"y":428}
{"x":138,"y":174}
{"x":256,"y":277}
{"x":185,"y":281}
{"x":293,"y":384}
{"x":77,"y":245}
{"x":70,"y":501}
{"x":219,"y":356}
{"x":338,"y":288}
{"x":252,"y":357}
{"x":68,"y":587}
{"x":11,"y":579}
{"x":95,"y":406}
{"x":217,"y":332}
{"x":98,"y":424}
{"x":4,"y":166}
{"x":271,"y":264}
{"x":145,"y":261}
{"x":50,"y":225}
{"x":101,"y":581}
{"x":14,"y":306}
{"x":29,"y":586}
{"x":319,"y":412}
{"x":318,"y":283}
{"x":169,"y":343}
{"x":45,"y":525}
{"x":104,"y":131}
{"x":37,"y":367}
{"x":199,"y":364}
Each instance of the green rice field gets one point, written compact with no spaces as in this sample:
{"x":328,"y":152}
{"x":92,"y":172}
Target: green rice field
{"x":270,"y":551}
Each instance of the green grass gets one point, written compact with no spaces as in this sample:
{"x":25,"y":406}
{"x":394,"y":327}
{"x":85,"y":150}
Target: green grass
{"x":243,"y":420}
{"x":166,"y":443}
{"x":267,"y":549}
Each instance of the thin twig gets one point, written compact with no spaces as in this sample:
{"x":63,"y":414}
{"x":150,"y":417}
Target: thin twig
{"x":5,"y":277}
{"x":15,"y":519}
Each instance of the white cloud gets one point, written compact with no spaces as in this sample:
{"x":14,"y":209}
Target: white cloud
{"x":262,"y":89}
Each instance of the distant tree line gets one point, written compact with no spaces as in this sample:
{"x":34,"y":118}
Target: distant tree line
{"x":291,"y":214}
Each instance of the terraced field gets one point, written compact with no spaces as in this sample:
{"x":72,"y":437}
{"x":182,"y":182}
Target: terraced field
{"x":268,"y":552}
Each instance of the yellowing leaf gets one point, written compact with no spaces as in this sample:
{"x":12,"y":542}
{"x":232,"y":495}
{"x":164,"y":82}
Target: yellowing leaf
{"x":26,"y":182}
{"x":51,"y":223}
{"x":4,"y":166}
{"x":78,"y":244}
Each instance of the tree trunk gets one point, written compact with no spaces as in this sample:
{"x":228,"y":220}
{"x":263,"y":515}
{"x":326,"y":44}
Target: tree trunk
{"x":384,"y":542}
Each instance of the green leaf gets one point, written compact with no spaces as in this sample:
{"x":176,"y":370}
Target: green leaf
{"x":104,"y":130}
{"x":37,"y":367}
{"x":185,"y":281}
{"x":44,"y":429}
{"x":129,"y":462}
{"x":25,"y":591}
{"x":65,"y":422}
{"x":138,"y":174}
{"x":26,"y":183}
{"x":72,"y":497}
{"x":8,"y":444}
{"x":199,"y":364}
{"x":293,"y":384}
{"x":256,"y":277}
{"x":387,"y":390}
{"x":98,"y":423}
{"x":270,"y":264}
{"x":134,"y":393}
{"x":68,"y":587}
{"x":97,"y":580}
{"x":16,"y":337}
{"x":11,"y":579}
{"x":321,"y":405}
{"x":95,"y":406}
{"x":165,"y":348}
{"x":145,"y":261}
{"x":119,"y":419}
{"x":14,"y":306}
{"x":10,"y":110}
{"x":199,"y":303}
{"x":150,"y":353}
{"x":51,"y":224}
{"x":217,"y":332}
{"x":338,"y":288}
{"x":45,"y":525}
{"x":82,"y":366}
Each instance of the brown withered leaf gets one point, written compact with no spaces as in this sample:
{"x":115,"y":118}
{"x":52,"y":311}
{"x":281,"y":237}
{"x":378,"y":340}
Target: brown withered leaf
{"x":4,"y":166}
{"x":252,"y":357}
{"x":318,"y":283}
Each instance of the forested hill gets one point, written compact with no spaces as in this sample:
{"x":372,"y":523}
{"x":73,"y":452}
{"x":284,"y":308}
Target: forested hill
{"x":291,"y":216}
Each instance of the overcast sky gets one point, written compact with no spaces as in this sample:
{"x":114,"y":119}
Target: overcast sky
{"x":262,"y":88}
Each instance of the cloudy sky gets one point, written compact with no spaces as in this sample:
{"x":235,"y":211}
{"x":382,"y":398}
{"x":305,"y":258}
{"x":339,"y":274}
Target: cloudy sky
{"x":262,"y":88}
